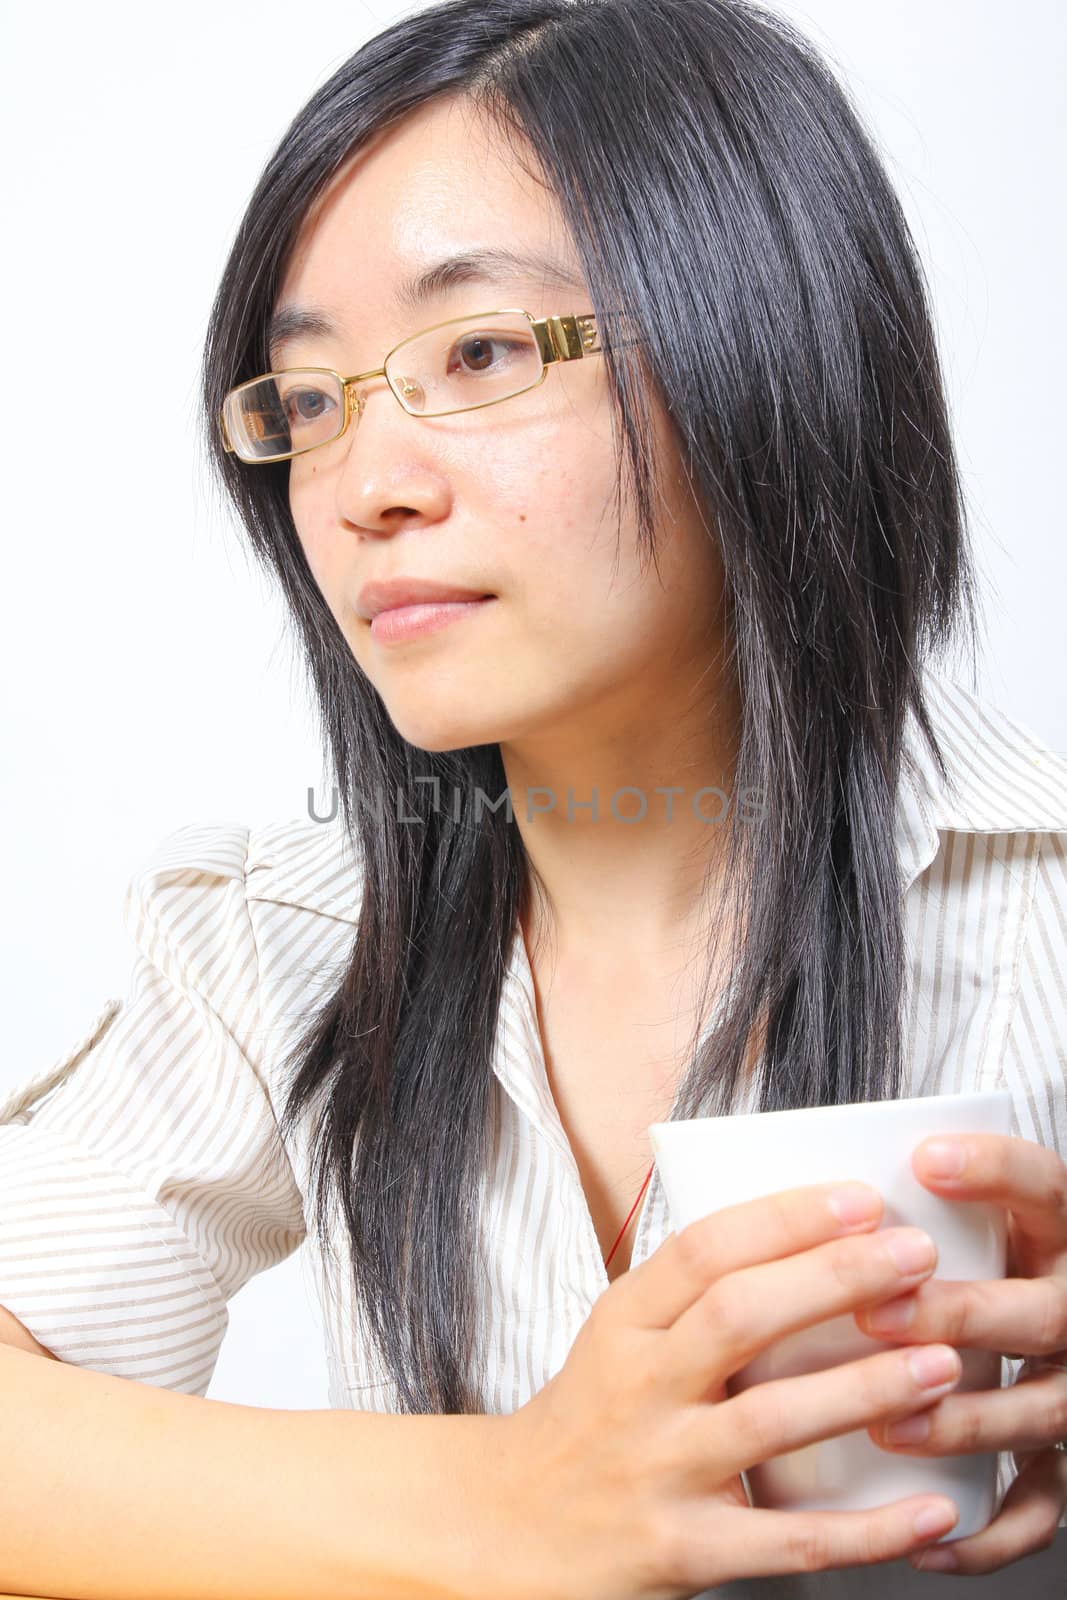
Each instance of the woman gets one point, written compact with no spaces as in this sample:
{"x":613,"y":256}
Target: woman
{"x":606,"y":469}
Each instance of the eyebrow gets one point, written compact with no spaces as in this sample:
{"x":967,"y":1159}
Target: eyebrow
{"x":487,"y":265}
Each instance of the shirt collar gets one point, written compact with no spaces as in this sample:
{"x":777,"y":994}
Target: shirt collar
{"x":920,"y":805}
{"x":1001,"y":778}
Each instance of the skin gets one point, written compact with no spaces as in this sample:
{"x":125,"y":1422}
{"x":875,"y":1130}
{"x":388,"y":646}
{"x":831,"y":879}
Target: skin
{"x":593,"y":671}
{"x":571,"y":667}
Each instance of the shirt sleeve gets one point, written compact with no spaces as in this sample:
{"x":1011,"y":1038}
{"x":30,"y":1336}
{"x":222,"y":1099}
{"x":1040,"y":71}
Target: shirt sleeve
{"x":143,"y":1179}
{"x":1035,"y":1062}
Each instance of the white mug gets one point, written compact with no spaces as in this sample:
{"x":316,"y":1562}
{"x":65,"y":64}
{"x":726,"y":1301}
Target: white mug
{"x":708,"y":1163}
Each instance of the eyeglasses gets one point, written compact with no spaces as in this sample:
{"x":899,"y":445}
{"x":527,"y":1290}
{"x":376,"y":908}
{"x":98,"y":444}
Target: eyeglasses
{"x":459,"y":365}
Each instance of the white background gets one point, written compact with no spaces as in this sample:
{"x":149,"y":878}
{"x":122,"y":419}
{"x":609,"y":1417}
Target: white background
{"x":147,"y":681}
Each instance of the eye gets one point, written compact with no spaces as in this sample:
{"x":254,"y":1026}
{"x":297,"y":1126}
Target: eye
{"x":474,"y":353}
{"x":307,"y":405}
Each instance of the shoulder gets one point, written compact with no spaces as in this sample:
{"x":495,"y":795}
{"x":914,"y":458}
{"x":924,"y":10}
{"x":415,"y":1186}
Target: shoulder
{"x":1002,"y":776}
{"x":1000,"y":873}
{"x":188,"y":891}
{"x":1000,"y":801}
{"x":1000,"y":817}
{"x":310,"y":865}
{"x":243,"y":923}
{"x":985,"y":846}
{"x":216,"y":905}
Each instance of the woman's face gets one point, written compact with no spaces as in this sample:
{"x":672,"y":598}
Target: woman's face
{"x":582,"y":640}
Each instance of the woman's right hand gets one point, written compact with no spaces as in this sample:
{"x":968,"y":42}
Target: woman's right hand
{"x":624,"y":1480}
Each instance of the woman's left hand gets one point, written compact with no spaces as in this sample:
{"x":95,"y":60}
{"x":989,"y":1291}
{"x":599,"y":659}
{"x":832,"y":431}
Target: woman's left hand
{"x":1022,"y":1314}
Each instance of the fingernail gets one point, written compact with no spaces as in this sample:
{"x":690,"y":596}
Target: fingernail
{"x":854,"y":1202}
{"x":911,"y":1251}
{"x":940,"y":1559}
{"x":909,"y":1430}
{"x":934,"y":1364}
{"x":944,"y":1158}
{"x":938,"y":1518}
{"x":891,"y":1317}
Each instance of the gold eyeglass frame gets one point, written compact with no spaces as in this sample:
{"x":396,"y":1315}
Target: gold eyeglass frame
{"x":568,"y":337}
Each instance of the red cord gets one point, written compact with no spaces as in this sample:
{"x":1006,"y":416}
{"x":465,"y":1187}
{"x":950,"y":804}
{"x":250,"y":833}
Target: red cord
{"x":626,"y":1224}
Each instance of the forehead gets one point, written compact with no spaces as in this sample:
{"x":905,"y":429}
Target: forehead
{"x":442,"y":182}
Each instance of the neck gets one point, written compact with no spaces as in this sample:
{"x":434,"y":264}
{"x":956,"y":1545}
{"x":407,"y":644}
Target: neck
{"x":625,"y":831}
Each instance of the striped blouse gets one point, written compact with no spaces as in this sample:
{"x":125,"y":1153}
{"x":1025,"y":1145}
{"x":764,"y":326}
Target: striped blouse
{"x":143,"y":1179}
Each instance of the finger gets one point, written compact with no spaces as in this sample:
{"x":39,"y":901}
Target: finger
{"x":1028,"y":1315}
{"x":1024,"y":1416}
{"x":751,"y":1543}
{"x":752,"y":1308}
{"x":1026,"y":1523}
{"x":657,"y":1291}
{"x":770,"y":1419}
{"x":1027,"y":1178}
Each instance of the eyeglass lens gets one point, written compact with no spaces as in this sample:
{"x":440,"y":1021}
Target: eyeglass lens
{"x":456,"y":367}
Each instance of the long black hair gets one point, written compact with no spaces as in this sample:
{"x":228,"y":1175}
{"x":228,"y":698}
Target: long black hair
{"x":724,"y":198}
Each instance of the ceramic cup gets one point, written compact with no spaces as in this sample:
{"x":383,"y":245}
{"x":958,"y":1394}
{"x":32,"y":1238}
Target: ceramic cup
{"x":708,"y":1163}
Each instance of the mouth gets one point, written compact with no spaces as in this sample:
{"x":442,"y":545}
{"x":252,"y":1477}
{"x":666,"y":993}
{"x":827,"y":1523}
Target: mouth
{"x":438,"y":600}
{"x":392,"y":593}
{"x":394,"y":624}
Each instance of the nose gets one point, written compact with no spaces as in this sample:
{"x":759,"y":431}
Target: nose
{"x":390,"y":477}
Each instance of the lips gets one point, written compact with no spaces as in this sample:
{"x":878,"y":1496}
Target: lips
{"x":375,"y":598}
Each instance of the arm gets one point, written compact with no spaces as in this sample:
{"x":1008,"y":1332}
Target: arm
{"x":128,"y":1491}
{"x":14,"y":1334}
{"x":143,"y":1179}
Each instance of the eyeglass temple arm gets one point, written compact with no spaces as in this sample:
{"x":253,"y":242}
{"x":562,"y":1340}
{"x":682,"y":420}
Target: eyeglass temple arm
{"x":566,"y":338}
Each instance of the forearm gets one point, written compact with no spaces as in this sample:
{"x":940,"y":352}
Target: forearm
{"x":115,"y":1490}
{"x":13,"y":1333}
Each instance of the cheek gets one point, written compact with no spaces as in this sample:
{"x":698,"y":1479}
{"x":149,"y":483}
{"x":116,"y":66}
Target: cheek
{"x":554,"y":526}
{"x":319,"y":544}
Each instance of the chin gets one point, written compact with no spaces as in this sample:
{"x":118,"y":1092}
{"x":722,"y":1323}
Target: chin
{"x":441,"y":734}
